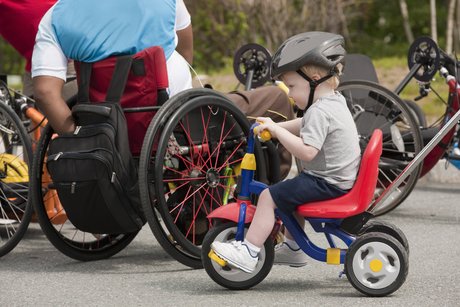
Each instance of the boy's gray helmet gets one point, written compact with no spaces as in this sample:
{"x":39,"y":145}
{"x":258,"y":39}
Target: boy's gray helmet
{"x":315,"y":48}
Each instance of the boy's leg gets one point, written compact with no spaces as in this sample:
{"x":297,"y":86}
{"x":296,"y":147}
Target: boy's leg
{"x":244,"y":255}
{"x":263,"y":221}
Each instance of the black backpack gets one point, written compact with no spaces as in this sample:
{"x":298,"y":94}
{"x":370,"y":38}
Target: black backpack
{"x":92,"y":168}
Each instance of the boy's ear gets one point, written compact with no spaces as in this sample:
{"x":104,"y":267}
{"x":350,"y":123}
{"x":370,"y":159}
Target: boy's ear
{"x":316,"y":76}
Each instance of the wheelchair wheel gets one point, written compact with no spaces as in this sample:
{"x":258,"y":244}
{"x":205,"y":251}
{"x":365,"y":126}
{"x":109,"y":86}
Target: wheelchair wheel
{"x":372,"y":107}
{"x":189,"y":166}
{"x":230,"y":277}
{"x":389,"y":229}
{"x":376,"y":264}
{"x":68,"y":239}
{"x":15,"y":152}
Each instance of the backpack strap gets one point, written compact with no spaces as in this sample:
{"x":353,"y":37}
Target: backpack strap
{"x":117,"y":83}
{"x":119,"y":78}
{"x":83,"y":85}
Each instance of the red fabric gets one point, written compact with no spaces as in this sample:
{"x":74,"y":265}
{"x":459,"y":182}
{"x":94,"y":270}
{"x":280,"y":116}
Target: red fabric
{"x":19,"y":20}
{"x":359,"y":198}
{"x":140,"y":91}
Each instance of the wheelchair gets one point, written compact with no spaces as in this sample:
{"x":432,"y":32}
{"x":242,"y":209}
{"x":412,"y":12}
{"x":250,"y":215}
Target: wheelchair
{"x":189,"y":165}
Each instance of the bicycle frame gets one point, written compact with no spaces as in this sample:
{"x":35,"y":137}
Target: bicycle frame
{"x":242,"y":211}
{"x":439,"y":149}
{"x":433,"y":147}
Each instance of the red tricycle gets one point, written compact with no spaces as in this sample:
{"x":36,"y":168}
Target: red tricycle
{"x":376,"y":258}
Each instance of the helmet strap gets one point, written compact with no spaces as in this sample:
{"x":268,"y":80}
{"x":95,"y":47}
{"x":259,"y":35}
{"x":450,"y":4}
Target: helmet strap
{"x":313,"y":85}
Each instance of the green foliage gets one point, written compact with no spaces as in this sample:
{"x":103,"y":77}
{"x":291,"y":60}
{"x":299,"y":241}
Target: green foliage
{"x":11,"y":62}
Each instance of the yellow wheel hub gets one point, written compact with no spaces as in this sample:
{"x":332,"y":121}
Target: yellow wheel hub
{"x":376,"y":265}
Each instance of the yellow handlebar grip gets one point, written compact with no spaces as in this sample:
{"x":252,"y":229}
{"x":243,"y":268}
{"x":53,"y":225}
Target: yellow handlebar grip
{"x":264,"y":136}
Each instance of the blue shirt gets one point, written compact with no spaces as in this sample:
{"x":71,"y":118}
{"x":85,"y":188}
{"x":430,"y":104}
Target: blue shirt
{"x":92,"y":30}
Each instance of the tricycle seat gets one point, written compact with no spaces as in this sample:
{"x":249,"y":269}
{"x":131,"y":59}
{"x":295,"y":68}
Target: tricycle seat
{"x":360,"y":196}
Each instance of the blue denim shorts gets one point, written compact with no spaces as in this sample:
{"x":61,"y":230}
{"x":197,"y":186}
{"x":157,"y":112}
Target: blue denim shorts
{"x":305,"y":188}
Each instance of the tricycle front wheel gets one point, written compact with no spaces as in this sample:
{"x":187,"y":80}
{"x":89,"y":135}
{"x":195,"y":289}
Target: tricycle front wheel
{"x":230,"y":277}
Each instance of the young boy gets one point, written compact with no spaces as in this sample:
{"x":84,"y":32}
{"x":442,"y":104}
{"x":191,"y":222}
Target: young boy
{"x":325,"y":140}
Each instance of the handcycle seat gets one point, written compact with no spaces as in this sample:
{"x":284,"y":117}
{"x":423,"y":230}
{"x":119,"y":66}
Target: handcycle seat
{"x":360,"y":196}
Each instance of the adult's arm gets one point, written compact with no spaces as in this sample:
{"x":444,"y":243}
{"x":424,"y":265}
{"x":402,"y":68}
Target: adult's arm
{"x":47,"y":91}
{"x":185,"y":43}
{"x":184,"y":32}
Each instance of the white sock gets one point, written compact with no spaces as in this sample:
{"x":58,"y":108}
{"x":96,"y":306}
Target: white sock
{"x":292,"y":244}
{"x":253,"y":250}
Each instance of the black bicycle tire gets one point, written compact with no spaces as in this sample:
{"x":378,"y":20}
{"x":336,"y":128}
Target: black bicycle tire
{"x":27,"y":216}
{"x":167,"y":241}
{"x":269,"y":248}
{"x":65,"y":245}
{"x":153,"y":219}
{"x":418,"y":113}
{"x":415,"y":130}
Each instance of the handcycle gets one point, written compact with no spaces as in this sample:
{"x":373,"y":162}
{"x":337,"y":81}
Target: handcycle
{"x":370,"y":244}
{"x":374,"y":106}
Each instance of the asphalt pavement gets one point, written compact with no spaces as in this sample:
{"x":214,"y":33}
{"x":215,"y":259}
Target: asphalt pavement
{"x":36,"y":274}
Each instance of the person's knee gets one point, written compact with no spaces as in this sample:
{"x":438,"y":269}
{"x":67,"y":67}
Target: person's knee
{"x":266,"y":200}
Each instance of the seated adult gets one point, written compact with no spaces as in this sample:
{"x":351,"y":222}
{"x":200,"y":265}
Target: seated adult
{"x":89,"y":31}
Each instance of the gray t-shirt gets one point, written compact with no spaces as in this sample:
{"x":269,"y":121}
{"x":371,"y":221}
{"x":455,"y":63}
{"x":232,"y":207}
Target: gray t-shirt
{"x":329,"y":127}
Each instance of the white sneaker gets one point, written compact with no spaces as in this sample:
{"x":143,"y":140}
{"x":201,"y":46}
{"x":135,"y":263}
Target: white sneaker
{"x":285,"y":255}
{"x":236,"y":254}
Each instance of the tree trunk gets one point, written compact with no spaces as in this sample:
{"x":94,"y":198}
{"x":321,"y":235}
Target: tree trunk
{"x":434,"y":26}
{"x":450,"y":26}
{"x":406,"y":23}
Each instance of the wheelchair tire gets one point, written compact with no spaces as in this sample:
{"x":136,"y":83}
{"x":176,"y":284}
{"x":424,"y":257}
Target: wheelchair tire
{"x":232,"y":278}
{"x":69,"y":240}
{"x":159,"y":193}
{"x":372,"y":107}
{"x":15,"y":155}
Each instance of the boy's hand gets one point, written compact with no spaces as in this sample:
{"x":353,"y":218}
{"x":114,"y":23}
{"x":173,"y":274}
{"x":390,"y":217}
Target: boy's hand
{"x":266,"y":123}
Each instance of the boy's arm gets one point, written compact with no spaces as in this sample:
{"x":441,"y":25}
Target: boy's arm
{"x":295,"y":145}
{"x":293,"y":126}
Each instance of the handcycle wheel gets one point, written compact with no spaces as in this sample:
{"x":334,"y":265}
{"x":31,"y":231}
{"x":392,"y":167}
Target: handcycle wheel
{"x":375,"y":107}
{"x":376,"y":264}
{"x":189,"y":166}
{"x":68,"y":239}
{"x":228,"y":276}
{"x":15,"y":154}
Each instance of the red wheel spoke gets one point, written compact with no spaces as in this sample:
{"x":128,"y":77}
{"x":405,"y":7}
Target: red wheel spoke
{"x":205,"y":133}
{"x":185,"y":199}
{"x":182,"y":205}
{"x":221,"y":139}
{"x":219,"y":144}
{"x":231,"y":155}
{"x":182,"y":179}
{"x":192,"y":150}
{"x":175,"y":171}
{"x":189,"y":165}
{"x":176,"y":189}
{"x":195,"y":215}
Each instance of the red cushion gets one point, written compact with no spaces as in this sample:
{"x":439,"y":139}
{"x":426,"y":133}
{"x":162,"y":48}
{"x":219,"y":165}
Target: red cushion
{"x":359,"y":198}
